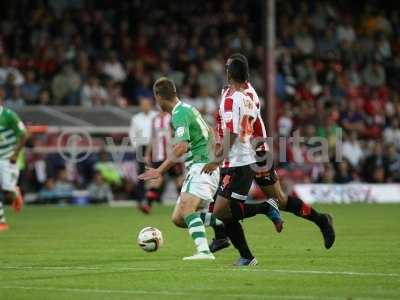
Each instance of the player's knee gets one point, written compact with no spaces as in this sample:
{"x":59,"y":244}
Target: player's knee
{"x":282,"y":201}
{"x":178,"y":221}
{"x":222,"y":212}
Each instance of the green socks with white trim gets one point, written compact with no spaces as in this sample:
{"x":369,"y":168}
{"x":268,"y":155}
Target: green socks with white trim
{"x":198,"y":232}
{"x":210,"y":220}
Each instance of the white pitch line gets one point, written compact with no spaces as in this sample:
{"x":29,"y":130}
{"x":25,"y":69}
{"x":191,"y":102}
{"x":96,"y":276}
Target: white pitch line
{"x":283,"y":271}
{"x":328,"y":272}
{"x":171,"y":293}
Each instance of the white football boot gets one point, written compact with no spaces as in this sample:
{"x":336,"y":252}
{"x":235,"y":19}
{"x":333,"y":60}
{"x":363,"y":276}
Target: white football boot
{"x":200,"y":256}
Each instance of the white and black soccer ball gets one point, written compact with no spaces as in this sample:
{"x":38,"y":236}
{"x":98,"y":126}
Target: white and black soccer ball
{"x":150,"y":239}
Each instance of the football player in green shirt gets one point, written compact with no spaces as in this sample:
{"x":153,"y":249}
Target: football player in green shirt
{"x":13,"y":137}
{"x":194,"y":141}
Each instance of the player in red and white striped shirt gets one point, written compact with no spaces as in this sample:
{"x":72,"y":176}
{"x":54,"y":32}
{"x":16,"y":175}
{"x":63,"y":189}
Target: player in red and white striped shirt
{"x":157,"y":152}
{"x":237,"y":115}
{"x":267,"y":179}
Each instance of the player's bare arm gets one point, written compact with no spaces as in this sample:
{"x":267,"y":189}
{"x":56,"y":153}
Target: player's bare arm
{"x":177,"y":152}
{"x":19,"y":146}
{"x":221,"y":152}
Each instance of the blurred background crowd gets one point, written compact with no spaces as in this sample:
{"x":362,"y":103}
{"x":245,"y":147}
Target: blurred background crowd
{"x":338,"y":67}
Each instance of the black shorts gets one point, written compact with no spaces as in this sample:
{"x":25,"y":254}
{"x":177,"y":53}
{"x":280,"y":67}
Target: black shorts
{"x":175,"y":171}
{"x":265,"y":177}
{"x":235,"y":182}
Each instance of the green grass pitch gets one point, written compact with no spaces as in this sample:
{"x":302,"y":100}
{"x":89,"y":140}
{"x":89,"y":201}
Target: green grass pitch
{"x":91,"y":253}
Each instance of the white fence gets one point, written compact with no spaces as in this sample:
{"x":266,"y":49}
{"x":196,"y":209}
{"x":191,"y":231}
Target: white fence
{"x":348,"y":193}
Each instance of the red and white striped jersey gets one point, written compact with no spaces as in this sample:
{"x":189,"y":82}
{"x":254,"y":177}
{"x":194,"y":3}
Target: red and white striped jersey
{"x":161,"y":135}
{"x":259,"y":130}
{"x":259,"y":126}
{"x":237,"y":114}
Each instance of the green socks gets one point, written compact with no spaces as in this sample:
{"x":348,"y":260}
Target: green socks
{"x":198,"y":232}
{"x":209,"y":219}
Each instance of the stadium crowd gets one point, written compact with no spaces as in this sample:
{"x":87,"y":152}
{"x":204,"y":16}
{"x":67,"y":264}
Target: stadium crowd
{"x":336,"y":68}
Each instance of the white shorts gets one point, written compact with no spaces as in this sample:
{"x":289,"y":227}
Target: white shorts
{"x":200,"y":184}
{"x":8,"y":175}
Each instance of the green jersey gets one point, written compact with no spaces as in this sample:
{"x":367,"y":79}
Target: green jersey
{"x":189,"y":126}
{"x":11,"y":127}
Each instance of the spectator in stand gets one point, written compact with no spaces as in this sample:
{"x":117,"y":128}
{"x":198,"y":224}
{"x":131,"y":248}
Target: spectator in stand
{"x":93,"y":94}
{"x":391,"y":134}
{"x":114,"y":68}
{"x":108,"y":170}
{"x":304,"y":41}
{"x":209,"y":80}
{"x":344,"y":173}
{"x":30,"y":89}
{"x":374,"y":75}
{"x":352,"y":119}
{"x":345,"y":30}
{"x":352,"y":150}
{"x":144,"y":89}
{"x":6,"y":70}
{"x":327,"y":175}
{"x":44,"y":97}
{"x":285,"y":122}
{"x":63,"y":187}
{"x":114,"y":92}
{"x":16,"y":100}
{"x":373,"y":167}
{"x":392,"y":164}
{"x":330,"y":132}
{"x":206,"y":105}
{"x":66,"y":85}
{"x":99,"y":191}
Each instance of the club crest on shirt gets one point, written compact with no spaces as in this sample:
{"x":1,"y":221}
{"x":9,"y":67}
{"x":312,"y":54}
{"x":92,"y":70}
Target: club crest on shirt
{"x":180,"y":131}
{"x":228,"y":116}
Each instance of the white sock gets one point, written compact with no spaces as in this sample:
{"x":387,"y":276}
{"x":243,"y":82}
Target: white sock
{"x":2,"y":217}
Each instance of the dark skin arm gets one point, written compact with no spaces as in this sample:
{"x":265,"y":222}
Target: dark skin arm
{"x":220,"y":154}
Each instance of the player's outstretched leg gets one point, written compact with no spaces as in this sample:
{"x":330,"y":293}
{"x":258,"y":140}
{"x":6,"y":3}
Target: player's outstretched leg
{"x":3,"y":224}
{"x":270,"y":185}
{"x":240,"y":211}
{"x":306,"y":211}
{"x":185,"y":215}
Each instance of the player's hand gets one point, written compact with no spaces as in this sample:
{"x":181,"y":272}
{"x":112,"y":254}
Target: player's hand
{"x":210,"y":167}
{"x":150,"y":173}
{"x":13,"y":158}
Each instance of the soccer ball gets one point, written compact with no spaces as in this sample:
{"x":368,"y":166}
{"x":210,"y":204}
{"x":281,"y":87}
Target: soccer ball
{"x":150,"y":239}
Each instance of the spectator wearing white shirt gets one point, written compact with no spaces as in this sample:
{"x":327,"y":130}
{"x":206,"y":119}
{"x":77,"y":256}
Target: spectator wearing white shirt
{"x":352,"y":150}
{"x":93,"y":93}
{"x":391,"y":134}
{"x":6,"y":70}
{"x":114,"y":68}
{"x":139,"y":134}
{"x":346,"y":31}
